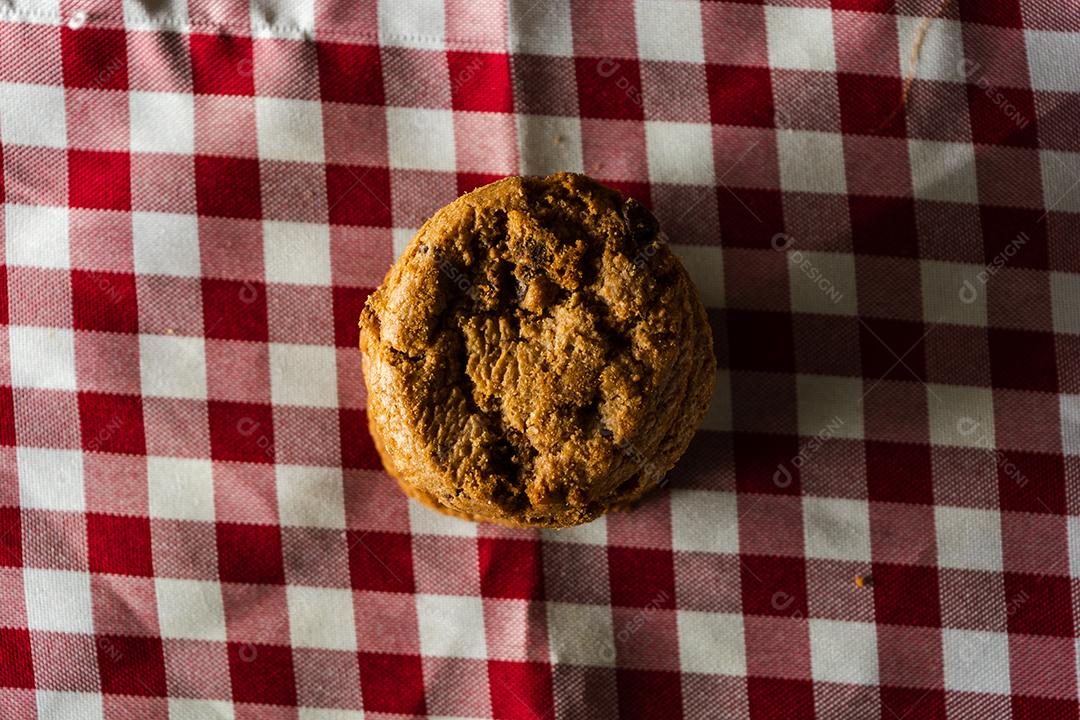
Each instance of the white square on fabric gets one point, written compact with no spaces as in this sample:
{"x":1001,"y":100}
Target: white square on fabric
{"x":297,"y":252}
{"x":309,"y":713}
{"x":303,"y":375}
{"x":321,"y":617}
{"x":421,"y":139}
{"x":549,"y":143}
{"x":811,"y":161}
{"x":412,"y":23}
{"x":188,"y":709}
{"x":800,"y":38}
{"x":166,"y":244}
{"x":711,"y":643}
{"x":836,"y":529}
{"x":968,"y":539}
{"x":180,"y":488}
{"x":679,"y":153}
{"x":162,"y":122}
{"x":943,"y":171}
{"x":63,"y":705}
{"x":310,"y":496}
{"x":1060,"y":180}
{"x":843,"y":652}
{"x":541,"y":28}
{"x":581,"y":634}
{"x":283,"y":18}
{"x":1074,"y":545}
{"x":401,"y":237}
{"x":704,"y":521}
{"x":941,"y":56}
{"x":976,"y":661}
{"x":190,"y":609}
{"x":669,"y":30}
{"x":173,"y":366}
{"x":591,"y":533}
{"x":952,"y":293}
{"x":33,"y":115}
{"x":822,"y":282}
{"x":42,"y":357}
{"x":436,"y":613}
{"x":58,"y":600}
{"x":36,"y":236}
{"x":1046,"y":51}
{"x":830,"y":406}
{"x":1070,"y":424}
{"x":1065,"y":298}
{"x":705,"y":264}
{"x":289,"y":129}
{"x":50,"y":479}
{"x":961,"y":416}
{"x":425,"y":521}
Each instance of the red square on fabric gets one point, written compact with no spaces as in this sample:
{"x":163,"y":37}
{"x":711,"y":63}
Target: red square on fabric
{"x":776,"y":699}
{"x":357,"y":447}
{"x":774,"y":586}
{"x":749,"y":217}
{"x":871,"y":105}
{"x":913,"y":702}
{"x":350,"y":73}
{"x":241,"y":432}
{"x":348,"y":302}
{"x":112,"y":423}
{"x":511,"y":568}
{"x":131,"y":665}
{"x":1002,"y":122}
{"x":104,"y":301}
{"x":7,"y":413}
{"x":763,"y":463}
{"x":906,"y":595}
{"x":646,"y":694}
{"x":609,"y":88}
{"x":468,"y":181}
{"x":99,"y":180}
{"x":899,"y":472}
{"x":1040,"y":604}
{"x":262,"y":674}
{"x":760,"y":341}
{"x":16,"y":665}
{"x":234,"y":310}
{"x":480,"y":81}
{"x":1032,"y":482}
{"x":1023,"y":359}
{"x":227,"y":186}
{"x":1014,"y":237}
{"x":94,"y":58}
{"x":892,"y":349}
{"x":392,"y":683}
{"x":883,"y":226}
{"x":1034,"y":708}
{"x":641,"y":577}
{"x":222,"y":65}
{"x":740,"y":95}
{"x":381,"y":561}
{"x":119,"y":544}
{"x":10,"y":539}
{"x":1005,"y":13}
{"x":358,"y":195}
{"x":250,"y":553}
{"x":520,"y":690}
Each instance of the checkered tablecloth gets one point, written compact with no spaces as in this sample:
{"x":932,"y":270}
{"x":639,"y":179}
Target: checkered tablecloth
{"x":880,"y":518}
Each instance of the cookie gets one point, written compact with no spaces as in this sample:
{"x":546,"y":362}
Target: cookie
{"x":537,"y":356}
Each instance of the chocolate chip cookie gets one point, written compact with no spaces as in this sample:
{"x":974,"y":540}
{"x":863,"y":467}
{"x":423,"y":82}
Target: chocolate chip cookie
{"x":537,"y":356}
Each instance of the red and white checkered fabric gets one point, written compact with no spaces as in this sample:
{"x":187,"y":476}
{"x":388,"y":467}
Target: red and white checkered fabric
{"x":197,"y":197}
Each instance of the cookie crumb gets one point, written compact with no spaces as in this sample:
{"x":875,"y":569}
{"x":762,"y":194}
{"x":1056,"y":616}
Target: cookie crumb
{"x":863,"y":581}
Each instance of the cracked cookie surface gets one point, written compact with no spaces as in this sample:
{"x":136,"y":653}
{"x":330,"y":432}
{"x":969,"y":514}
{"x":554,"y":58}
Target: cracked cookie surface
{"x":537,"y":356}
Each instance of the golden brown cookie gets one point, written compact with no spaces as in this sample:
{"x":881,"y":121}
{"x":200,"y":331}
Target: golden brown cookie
{"x":537,"y":356}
